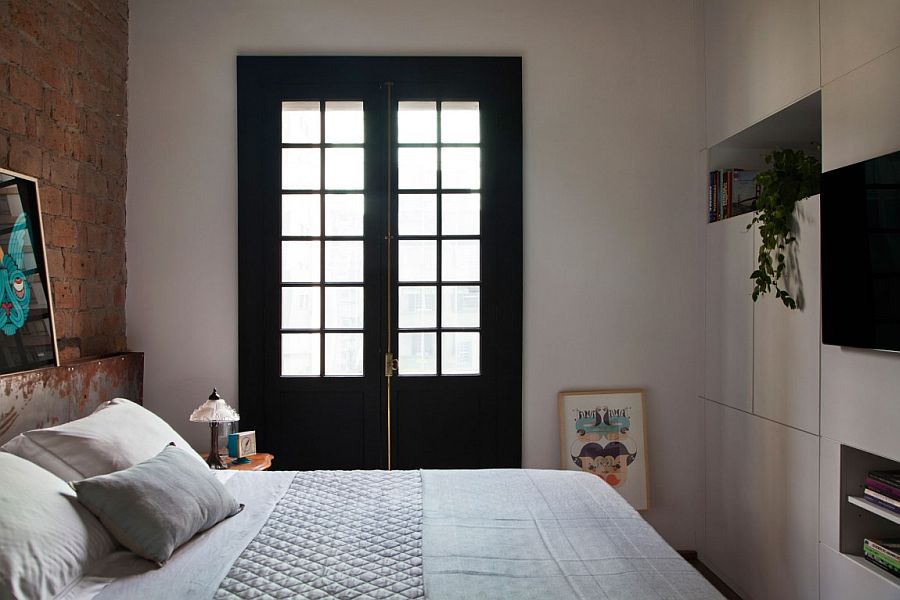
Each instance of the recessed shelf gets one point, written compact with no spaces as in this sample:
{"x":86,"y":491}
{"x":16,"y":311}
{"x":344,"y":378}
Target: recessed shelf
{"x":894,"y":581}
{"x":874,"y":509}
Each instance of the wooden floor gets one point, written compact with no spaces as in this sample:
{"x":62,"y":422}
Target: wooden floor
{"x":691,"y":557}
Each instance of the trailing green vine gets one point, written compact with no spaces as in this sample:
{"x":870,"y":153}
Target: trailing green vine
{"x":791,"y":176}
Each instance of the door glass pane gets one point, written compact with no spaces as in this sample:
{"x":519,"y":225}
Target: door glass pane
{"x":461,"y":168}
{"x":461,"y":214}
{"x":343,"y":354}
{"x":343,"y":307}
{"x":459,"y":122}
{"x":460,"y":353}
{"x":300,"y":307}
{"x":300,"y":214}
{"x":417,"y":168}
{"x":301,"y":123}
{"x":417,"y":353}
{"x":344,"y":214}
{"x":417,"y":122}
{"x":344,"y":123}
{"x":300,"y":169}
{"x":460,"y":306}
{"x":344,"y":168}
{"x":300,"y":262}
{"x":300,"y":353}
{"x":416,"y":307}
{"x":460,"y":260}
{"x":417,"y":260}
{"x":417,"y":214}
{"x":343,"y":261}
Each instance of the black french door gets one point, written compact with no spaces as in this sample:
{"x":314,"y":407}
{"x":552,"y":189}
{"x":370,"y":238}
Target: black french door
{"x":380,"y":260}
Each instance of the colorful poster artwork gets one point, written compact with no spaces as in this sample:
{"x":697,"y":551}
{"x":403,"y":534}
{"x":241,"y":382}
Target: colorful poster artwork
{"x":603,"y":433}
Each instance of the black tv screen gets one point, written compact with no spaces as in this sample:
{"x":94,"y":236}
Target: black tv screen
{"x":861,"y":254}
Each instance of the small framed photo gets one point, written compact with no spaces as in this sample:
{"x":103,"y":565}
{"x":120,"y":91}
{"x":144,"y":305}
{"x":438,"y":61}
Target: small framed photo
{"x":603,"y":432}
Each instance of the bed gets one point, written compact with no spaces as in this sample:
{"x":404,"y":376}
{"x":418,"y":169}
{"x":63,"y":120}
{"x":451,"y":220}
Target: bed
{"x":497,"y":533}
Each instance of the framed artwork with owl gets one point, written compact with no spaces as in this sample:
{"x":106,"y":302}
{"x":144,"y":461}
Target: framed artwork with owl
{"x":27,"y":333}
{"x":604,"y":433}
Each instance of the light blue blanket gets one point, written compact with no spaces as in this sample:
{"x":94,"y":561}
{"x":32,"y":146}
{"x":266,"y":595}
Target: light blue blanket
{"x":483,"y":534}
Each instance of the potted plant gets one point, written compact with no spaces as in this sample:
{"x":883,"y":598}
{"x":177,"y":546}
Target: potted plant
{"x":792,"y":176}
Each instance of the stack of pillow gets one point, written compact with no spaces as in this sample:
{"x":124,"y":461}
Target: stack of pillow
{"x":71,"y":492}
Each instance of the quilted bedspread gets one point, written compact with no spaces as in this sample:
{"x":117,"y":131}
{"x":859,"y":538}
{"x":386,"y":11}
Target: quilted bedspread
{"x":355,"y":534}
{"x":458,"y":535}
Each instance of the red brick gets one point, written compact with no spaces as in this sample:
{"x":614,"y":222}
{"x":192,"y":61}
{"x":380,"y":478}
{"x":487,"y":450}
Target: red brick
{"x":79,"y":265}
{"x":95,"y":345}
{"x":24,"y":157}
{"x":83,"y":208}
{"x":50,"y":134}
{"x":65,"y":50}
{"x":109,"y":267}
{"x":82,"y":148}
{"x":62,"y":109}
{"x":51,"y":200}
{"x":45,"y":68}
{"x":92,"y":181}
{"x":63,"y":234}
{"x":94,"y":295}
{"x":4,"y":74}
{"x":11,"y":45}
{"x":62,"y":171}
{"x":55,"y":264}
{"x":119,"y":296}
{"x":26,"y":89}
{"x":62,"y":319}
{"x":65,"y":294}
{"x":26,"y":17}
{"x":98,"y":128}
{"x":70,"y":352}
{"x":4,"y":150}
{"x":12,"y":116}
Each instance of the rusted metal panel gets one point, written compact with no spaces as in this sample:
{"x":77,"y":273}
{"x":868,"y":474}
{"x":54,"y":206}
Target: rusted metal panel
{"x":54,"y":395}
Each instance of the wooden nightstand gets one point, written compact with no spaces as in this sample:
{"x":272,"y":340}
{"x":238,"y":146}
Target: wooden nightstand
{"x":261,"y":461}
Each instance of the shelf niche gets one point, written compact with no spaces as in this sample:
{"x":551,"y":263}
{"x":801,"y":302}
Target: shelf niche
{"x":797,"y":127}
{"x":858,"y":522}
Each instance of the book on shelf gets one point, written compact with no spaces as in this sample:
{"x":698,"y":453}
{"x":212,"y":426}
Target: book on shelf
{"x":731,"y":192}
{"x":883,"y":553}
{"x":891,"y":478}
{"x":882,"y":501}
{"x":883,"y":488}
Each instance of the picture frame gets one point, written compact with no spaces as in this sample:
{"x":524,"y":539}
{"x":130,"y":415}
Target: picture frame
{"x":604,"y":432}
{"x":27,"y":326}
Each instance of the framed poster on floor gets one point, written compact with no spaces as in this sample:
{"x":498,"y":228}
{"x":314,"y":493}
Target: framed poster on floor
{"x":603,"y":432}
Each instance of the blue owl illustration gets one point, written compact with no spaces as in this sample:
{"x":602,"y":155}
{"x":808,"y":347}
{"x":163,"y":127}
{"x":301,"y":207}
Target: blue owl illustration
{"x":15,"y":293}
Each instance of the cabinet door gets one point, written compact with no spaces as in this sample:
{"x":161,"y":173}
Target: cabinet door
{"x":762,"y":505}
{"x":786,"y":342}
{"x":729,"y":313}
{"x":761,"y":55}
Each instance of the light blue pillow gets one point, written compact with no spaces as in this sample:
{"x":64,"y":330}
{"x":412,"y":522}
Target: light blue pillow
{"x":157,"y":505}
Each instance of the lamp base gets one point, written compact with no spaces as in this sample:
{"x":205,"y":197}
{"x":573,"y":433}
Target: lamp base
{"x":214,"y":460}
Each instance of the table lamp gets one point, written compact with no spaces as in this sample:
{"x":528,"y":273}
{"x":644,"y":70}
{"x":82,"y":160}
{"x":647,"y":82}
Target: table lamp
{"x":214,"y":411}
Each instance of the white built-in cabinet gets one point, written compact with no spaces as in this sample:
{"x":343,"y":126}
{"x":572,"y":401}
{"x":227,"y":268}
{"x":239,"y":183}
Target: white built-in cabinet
{"x":792,"y":425}
{"x":761,"y":416}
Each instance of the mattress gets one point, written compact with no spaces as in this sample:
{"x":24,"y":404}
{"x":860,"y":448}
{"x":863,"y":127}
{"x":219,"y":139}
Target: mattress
{"x":440,"y":535}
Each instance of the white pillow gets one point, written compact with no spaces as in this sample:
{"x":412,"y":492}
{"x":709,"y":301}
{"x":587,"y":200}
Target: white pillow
{"x":47,"y":539}
{"x":118,"y":435}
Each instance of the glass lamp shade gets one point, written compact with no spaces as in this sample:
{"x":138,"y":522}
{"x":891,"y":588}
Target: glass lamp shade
{"x":214,"y":410}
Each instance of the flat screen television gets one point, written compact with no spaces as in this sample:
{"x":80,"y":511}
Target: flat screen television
{"x":861,"y":254}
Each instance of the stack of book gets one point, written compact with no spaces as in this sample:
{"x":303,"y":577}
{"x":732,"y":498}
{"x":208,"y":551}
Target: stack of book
{"x":884,"y":553}
{"x":883,"y":490}
{"x":732,"y":192}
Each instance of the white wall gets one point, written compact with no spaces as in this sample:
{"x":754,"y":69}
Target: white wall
{"x":612,"y":232}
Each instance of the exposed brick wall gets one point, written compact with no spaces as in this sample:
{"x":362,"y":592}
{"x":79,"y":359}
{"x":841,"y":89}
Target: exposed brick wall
{"x":63,"y":68}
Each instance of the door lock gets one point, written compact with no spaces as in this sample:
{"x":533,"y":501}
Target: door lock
{"x":391,"y":364}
